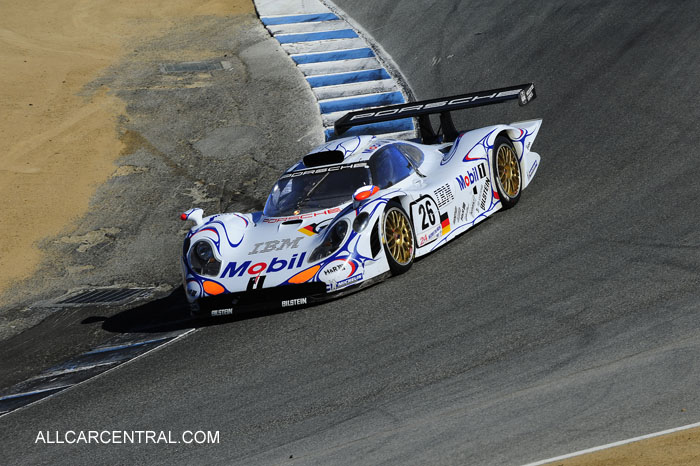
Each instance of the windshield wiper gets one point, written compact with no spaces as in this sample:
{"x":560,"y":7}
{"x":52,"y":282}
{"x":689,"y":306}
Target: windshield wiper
{"x":311,"y":191}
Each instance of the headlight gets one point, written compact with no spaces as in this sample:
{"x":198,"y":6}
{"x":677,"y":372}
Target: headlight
{"x":331,"y":242}
{"x":203,"y":251}
{"x":360,"y":222}
{"x":202,"y":259}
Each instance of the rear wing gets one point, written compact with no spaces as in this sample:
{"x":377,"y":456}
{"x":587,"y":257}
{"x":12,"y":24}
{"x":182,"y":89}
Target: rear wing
{"x":524,"y":93}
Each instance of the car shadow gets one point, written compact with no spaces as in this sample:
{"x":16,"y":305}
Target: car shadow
{"x":171,"y":313}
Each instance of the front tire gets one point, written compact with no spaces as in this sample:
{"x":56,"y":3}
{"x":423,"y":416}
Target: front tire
{"x":509,"y":182}
{"x":398,"y":238}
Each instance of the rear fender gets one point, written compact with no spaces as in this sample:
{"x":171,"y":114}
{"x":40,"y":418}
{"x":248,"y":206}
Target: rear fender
{"x":523,"y":135}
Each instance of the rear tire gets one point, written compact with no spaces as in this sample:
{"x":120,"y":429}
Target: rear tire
{"x":398,"y":238}
{"x":509,"y":181}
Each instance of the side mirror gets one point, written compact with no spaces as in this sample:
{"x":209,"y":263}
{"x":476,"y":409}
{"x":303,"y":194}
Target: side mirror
{"x":362,"y":194}
{"x":193,"y":214}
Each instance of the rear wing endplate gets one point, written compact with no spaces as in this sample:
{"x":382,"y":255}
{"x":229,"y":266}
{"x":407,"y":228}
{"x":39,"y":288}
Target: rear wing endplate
{"x":524,"y":93}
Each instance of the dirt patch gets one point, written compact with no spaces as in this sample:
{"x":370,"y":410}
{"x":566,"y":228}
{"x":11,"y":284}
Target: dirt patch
{"x":60,"y":138}
{"x":677,"y":449}
{"x":139,"y":112}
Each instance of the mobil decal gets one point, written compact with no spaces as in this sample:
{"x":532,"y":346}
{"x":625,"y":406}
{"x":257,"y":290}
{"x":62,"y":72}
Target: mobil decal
{"x":472,"y":176}
{"x":275,"y":265}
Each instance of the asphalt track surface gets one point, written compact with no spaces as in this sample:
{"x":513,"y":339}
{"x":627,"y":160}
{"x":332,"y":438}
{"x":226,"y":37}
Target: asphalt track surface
{"x":568,"y":322}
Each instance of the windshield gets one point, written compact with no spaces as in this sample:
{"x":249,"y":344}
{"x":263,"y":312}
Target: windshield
{"x":311,"y":190}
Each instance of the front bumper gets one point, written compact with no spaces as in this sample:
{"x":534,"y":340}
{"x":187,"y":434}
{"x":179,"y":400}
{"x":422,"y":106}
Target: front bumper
{"x":268,"y":299}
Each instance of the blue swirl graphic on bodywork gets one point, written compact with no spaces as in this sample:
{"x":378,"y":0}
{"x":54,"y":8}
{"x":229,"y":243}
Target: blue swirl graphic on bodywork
{"x":335,"y":145}
{"x":521,"y":139}
{"x":350,"y":247}
{"x":233,"y":245}
{"x":483,"y":142}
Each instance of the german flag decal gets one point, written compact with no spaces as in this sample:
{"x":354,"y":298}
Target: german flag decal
{"x":308,"y":230}
{"x":445,"y":222}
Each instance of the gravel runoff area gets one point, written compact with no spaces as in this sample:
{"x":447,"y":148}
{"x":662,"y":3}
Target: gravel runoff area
{"x":119,"y":116}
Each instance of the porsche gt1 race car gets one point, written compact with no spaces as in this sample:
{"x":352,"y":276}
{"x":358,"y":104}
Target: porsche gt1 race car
{"x":359,"y":209}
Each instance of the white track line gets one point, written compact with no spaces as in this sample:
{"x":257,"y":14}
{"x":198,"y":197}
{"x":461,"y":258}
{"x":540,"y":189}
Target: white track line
{"x":614,"y":444}
{"x":65,"y":388}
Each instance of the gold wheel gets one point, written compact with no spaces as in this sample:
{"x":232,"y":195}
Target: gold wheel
{"x":508,"y":170}
{"x":399,"y":236}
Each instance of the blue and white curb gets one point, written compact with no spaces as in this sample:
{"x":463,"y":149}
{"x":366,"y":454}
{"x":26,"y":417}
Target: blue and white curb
{"x":345,"y":73}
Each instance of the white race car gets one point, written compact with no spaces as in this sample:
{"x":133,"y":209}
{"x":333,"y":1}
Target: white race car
{"x":358,"y":209}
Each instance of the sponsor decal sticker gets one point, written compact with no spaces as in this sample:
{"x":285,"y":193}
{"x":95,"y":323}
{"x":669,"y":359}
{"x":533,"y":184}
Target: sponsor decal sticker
{"x":314,"y":228}
{"x":445,"y":223}
{"x":532,"y":169}
{"x":484,"y":194}
{"x":294,"y":302}
{"x":256,"y":282}
{"x":340,"y":268}
{"x":425,"y":217}
{"x":371,"y":148}
{"x":275,"y":265}
{"x":334,"y":210}
{"x":472,"y":176}
{"x":460,"y":213}
{"x":349,"y":281}
{"x":275,"y":245}
{"x":428,"y":237}
{"x":222,"y":312}
{"x":444,"y":195}
{"x":308,"y":230}
{"x":436,"y":105}
{"x":343,"y":283}
{"x":333,"y":168}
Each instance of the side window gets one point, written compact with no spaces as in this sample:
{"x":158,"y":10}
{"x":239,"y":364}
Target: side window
{"x":413,"y":153}
{"x":389,"y":166}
